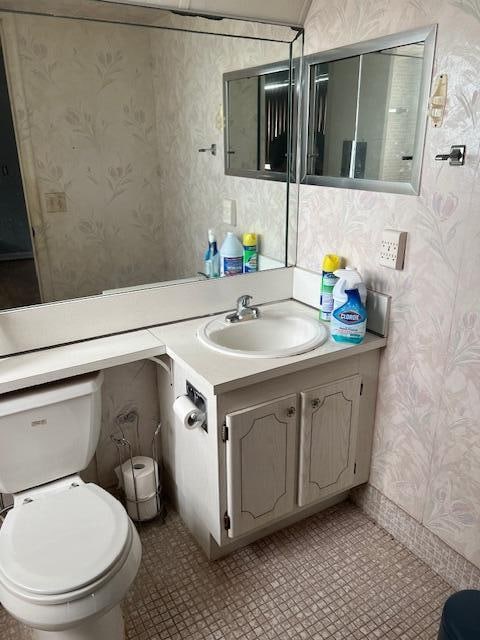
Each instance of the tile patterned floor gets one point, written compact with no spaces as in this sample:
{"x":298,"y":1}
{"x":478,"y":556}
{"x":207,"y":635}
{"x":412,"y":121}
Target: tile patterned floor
{"x":336,"y":575}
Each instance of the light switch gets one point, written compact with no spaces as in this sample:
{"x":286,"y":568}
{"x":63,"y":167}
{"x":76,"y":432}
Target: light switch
{"x":230,"y":212}
{"x":392,"y":249}
{"x":56,"y":202}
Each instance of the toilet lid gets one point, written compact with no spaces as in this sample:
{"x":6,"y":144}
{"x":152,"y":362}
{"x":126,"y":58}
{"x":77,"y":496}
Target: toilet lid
{"x":63,"y":541}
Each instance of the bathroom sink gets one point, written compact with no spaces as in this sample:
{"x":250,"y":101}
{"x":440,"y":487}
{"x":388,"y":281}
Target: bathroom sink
{"x":275,"y":334}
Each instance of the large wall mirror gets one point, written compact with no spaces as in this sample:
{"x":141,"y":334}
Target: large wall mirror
{"x":365,"y":113}
{"x":105,"y":110}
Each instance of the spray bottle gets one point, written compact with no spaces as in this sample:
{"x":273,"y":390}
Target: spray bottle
{"x":212,"y":257}
{"x":331,"y":263}
{"x":250,"y":253}
{"x":349,"y":317}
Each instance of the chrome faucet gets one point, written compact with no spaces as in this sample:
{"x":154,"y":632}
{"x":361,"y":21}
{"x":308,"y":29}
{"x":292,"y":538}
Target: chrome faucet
{"x":244,"y":311}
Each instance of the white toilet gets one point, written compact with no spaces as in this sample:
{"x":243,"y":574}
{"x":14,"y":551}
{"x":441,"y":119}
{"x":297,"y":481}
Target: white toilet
{"x":68,"y":550}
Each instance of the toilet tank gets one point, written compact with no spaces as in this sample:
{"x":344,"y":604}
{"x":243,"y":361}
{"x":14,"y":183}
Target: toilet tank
{"x":48,"y":432}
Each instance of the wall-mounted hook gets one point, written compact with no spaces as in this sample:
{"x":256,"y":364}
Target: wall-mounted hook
{"x":211,"y":149}
{"x":456,"y":157}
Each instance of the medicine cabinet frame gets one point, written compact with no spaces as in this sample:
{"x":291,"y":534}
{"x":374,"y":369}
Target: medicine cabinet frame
{"x":423,"y":34}
{"x":293,"y":68}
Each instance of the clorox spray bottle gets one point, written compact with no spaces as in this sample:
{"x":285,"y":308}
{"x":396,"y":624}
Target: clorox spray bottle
{"x":349,"y":317}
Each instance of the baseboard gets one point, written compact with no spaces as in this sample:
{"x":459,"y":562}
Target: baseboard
{"x":444,"y":560}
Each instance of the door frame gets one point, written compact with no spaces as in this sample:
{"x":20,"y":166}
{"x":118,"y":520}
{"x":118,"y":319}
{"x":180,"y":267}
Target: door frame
{"x":26,"y":158}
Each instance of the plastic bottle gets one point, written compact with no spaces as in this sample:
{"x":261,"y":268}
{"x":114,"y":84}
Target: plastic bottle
{"x":212,"y":257}
{"x":349,"y":321}
{"x":331,"y":263}
{"x":348,"y":278}
{"x":250,"y":253}
{"x":231,"y":255}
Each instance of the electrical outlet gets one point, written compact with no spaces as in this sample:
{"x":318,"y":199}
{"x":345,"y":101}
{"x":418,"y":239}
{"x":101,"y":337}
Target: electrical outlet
{"x":392,"y":249}
{"x":56,"y":202}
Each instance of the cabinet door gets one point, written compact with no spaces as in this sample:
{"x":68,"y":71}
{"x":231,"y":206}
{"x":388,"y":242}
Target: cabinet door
{"x":328,"y":431}
{"x":260,"y":459}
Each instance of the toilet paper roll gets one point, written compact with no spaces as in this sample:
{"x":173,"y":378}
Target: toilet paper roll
{"x":145,"y":475}
{"x":144,"y":509}
{"x":188,"y":413}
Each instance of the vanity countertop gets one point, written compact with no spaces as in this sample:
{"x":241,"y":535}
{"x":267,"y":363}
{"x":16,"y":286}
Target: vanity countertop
{"x":38,"y":367}
{"x":221,"y":372}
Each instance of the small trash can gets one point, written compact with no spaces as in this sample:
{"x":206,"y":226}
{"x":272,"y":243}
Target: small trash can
{"x":461,"y":616}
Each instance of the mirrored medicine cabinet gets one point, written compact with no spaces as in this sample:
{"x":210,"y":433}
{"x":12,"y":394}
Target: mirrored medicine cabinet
{"x":365,"y":113}
{"x":259,"y":103}
{"x":363,"y":120}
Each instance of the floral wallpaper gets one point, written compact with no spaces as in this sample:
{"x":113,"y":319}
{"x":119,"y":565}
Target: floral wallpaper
{"x":128,"y":391}
{"x":427,"y":441}
{"x":194,"y":184}
{"x":115,"y":115}
{"x":89,"y":96}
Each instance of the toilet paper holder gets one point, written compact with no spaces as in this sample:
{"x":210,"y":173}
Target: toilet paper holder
{"x":199,"y":401}
{"x":125,"y":453}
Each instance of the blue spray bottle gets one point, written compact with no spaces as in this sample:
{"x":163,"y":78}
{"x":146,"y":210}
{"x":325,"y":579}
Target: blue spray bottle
{"x":212,"y":257}
{"x":349,"y":321}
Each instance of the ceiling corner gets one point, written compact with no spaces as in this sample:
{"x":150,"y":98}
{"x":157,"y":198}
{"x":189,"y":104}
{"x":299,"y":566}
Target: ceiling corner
{"x":304,"y":12}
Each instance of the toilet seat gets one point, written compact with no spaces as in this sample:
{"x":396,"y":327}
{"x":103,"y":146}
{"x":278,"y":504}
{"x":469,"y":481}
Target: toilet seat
{"x":63,"y":545}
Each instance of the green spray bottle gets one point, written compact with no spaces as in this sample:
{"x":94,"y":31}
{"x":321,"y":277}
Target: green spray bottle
{"x":331,"y":263}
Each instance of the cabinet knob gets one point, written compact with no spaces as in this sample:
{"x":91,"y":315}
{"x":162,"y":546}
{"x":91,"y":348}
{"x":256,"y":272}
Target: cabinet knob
{"x":291,"y":411}
{"x":315,"y":403}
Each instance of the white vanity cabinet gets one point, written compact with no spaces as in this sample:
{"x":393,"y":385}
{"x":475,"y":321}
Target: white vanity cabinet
{"x":278,"y":458}
{"x":279,"y":447}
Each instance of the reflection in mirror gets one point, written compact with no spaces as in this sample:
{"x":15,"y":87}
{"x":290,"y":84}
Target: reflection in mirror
{"x":388,"y":113}
{"x":333,"y":90}
{"x":16,"y":249}
{"x":366,"y":113}
{"x":108,"y":120}
{"x":242,"y":151}
{"x":257,"y":107}
{"x":147,"y":14}
{"x":274,"y":89}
